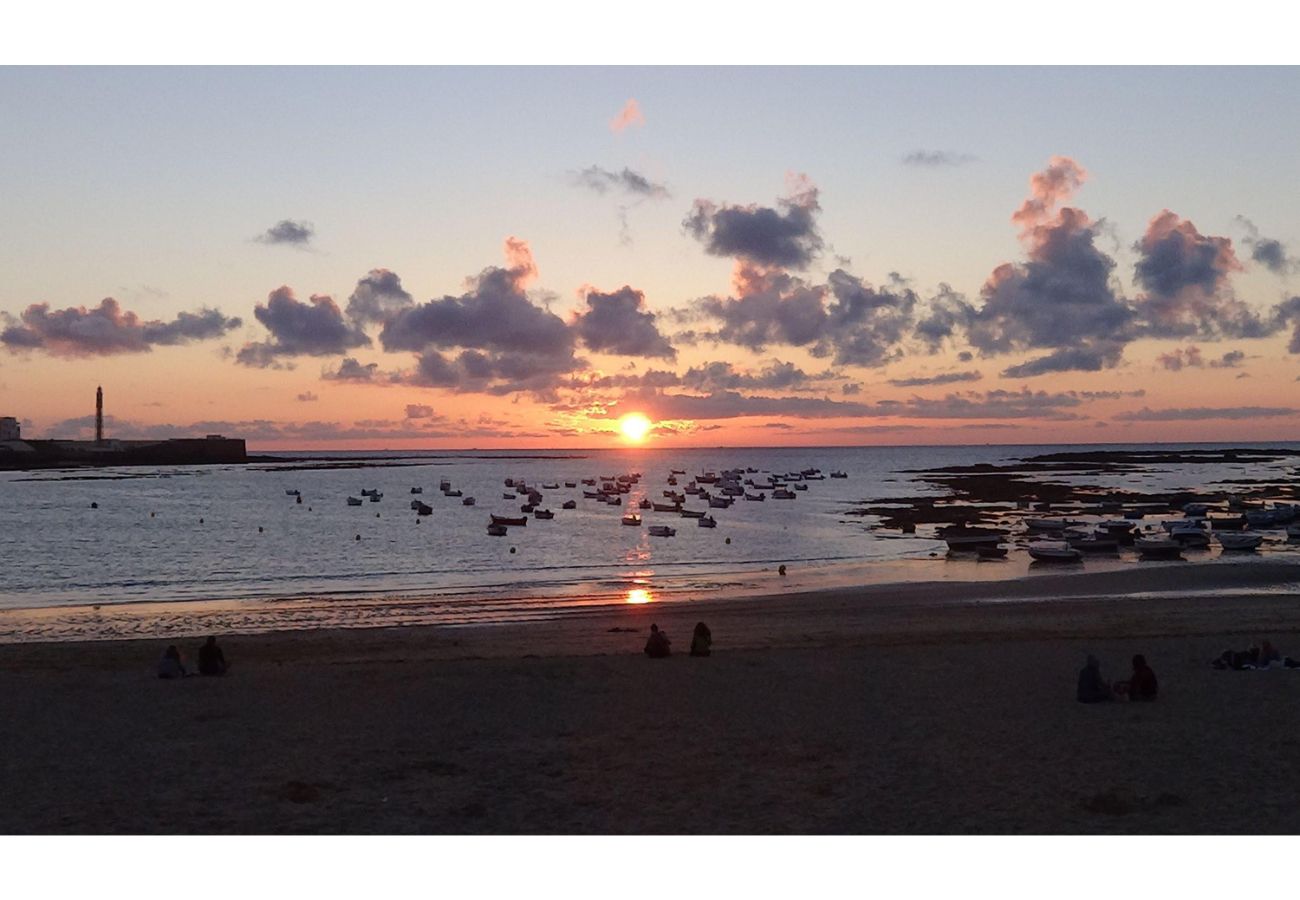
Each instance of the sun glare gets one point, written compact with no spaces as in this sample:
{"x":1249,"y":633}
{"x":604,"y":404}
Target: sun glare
{"x":634,"y":427}
{"x":638,"y":596}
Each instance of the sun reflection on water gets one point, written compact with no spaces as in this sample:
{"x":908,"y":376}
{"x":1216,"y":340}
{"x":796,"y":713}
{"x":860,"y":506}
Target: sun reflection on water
{"x":639,"y":595}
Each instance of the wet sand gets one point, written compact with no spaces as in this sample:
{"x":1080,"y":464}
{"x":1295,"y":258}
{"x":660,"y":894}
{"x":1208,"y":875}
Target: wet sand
{"x":840,"y":711}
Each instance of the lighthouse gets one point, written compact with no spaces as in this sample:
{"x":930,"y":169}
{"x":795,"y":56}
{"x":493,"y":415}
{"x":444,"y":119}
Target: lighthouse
{"x":99,"y":415}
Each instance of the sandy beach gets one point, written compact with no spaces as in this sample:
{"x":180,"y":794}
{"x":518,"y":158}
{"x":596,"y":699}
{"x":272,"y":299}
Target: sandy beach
{"x":841,"y":711}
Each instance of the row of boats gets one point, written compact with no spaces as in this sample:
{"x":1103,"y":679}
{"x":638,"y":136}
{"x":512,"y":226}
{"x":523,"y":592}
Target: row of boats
{"x":1069,"y":540}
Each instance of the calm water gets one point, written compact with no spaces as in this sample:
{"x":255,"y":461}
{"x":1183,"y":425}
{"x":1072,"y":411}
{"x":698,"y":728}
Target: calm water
{"x":145,"y":542}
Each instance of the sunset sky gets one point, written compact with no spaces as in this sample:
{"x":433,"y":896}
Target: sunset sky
{"x":497,"y":257}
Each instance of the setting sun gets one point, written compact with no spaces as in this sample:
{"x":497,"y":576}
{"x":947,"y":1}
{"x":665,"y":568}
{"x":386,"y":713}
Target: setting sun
{"x":634,"y":427}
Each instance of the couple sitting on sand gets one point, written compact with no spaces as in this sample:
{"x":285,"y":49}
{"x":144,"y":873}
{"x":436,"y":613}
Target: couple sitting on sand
{"x":211,"y":661}
{"x":657,"y":646}
{"x":1094,"y":689}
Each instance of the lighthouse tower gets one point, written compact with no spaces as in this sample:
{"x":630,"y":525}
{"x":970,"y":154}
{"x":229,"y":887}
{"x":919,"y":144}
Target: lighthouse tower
{"x":99,"y":415}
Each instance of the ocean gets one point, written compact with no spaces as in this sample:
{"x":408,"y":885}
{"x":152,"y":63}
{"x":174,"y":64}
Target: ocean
{"x":230,"y":538}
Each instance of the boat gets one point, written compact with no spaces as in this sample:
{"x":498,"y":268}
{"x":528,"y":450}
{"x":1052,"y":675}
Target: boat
{"x":672,"y":481}
{"x":706,"y":522}
{"x":662,"y":531}
{"x":544,"y":514}
{"x":550,"y":485}
{"x":693,"y":514}
{"x":1154,"y":546}
{"x":376,"y":497}
{"x":590,"y":482}
{"x":846,"y":475}
{"x":569,"y":504}
{"x":749,"y":496}
{"x":509,"y":520}
{"x":445,"y":485}
{"x":614,"y":501}
{"x":1054,"y":551}
{"x":354,"y":501}
{"x":468,"y":501}
{"x":291,"y":493}
{"x":593,"y":495}
{"x":570,"y":484}
{"x":1191,"y":537}
{"x":455,"y":493}
{"x":666,"y":507}
{"x":783,"y":494}
{"x":645,"y":503}
{"x":370,"y":492}
{"x":497,"y":530}
{"x":507,"y":496}
{"x":1240,"y":540}
{"x":1293,"y":532}
{"x":988,"y":551}
{"x":800,"y":487}
{"x":631,"y":519}
{"x":527,"y":508}
{"x":417,"y":490}
{"x":970,"y":537}
{"x":1051,"y":524}
{"x":422,"y":509}
{"x":677,"y":471}
{"x":722,"y":502}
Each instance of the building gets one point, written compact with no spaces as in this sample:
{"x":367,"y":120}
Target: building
{"x":10,"y":429}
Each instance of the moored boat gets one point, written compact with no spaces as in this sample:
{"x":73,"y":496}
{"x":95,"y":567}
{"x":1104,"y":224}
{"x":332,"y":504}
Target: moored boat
{"x":631,"y":519}
{"x":662,"y":531}
{"x":509,"y":520}
{"x":1054,"y":551}
{"x":706,"y":522}
{"x":1240,"y":540}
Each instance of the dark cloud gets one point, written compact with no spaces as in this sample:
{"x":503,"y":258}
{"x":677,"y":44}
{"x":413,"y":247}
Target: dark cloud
{"x":352,"y":370}
{"x":723,"y":376}
{"x":784,"y":236}
{"x":1198,"y":413}
{"x":935,"y":159}
{"x":1089,"y":358}
{"x":306,"y":432}
{"x":287,"y":231}
{"x":1185,"y":276}
{"x":619,"y":323}
{"x":377,"y":297}
{"x":314,"y":328}
{"x":1288,"y":311}
{"x":307,"y":397}
{"x":851,"y":390}
{"x":474,"y":371}
{"x":864,"y":325}
{"x":418,"y":411}
{"x":1191,"y":357}
{"x":625,"y":181}
{"x":945,"y":313}
{"x":946,"y":378}
{"x":1271,"y":254}
{"x":107,"y":329}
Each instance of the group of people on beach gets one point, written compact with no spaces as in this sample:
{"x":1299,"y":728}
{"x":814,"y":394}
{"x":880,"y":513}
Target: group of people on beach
{"x":212,"y":661}
{"x":657,"y":646}
{"x":1140,"y":686}
{"x":1259,"y":656}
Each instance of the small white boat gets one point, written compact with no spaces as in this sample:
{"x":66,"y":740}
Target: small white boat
{"x":1240,"y":540}
{"x":662,"y":531}
{"x":631,"y":519}
{"x":1054,"y":551}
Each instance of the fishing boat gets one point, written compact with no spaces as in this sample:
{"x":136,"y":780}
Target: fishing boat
{"x":509,"y":520}
{"x":354,"y":501}
{"x":1293,"y":532}
{"x":1155,"y":546}
{"x":970,"y":537}
{"x":1193,"y":538}
{"x":1054,"y":551}
{"x":662,"y":531}
{"x":1051,"y":524}
{"x":550,"y":485}
{"x":543,"y":514}
{"x":570,"y":484}
{"x":614,"y":501}
{"x":749,"y":496}
{"x":645,"y":503}
{"x":666,"y":507}
{"x":370,"y":492}
{"x":569,"y":504}
{"x":846,"y":475}
{"x":376,"y":497}
{"x":497,"y":530}
{"x":468,"y":501}
{"x":445,"y":485}
{"x":422,"y":509}
{"x":1240,"y":540}
{"x":783,"y":494}
{"x":800,"y":486}
{"x":631,"y":519}
{"x":417,"y":490}
{"x":706,"y":522}
{"x":721,"y":502}
{"x":450,"y":493}
{"x":693,"y":514}
{"x":291,"y":493}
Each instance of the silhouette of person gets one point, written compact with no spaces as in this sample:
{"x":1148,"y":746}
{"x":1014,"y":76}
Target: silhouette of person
{"x":657,"y":645}
{"x":211,"y":660}
{"x":1142,"y":685}
{"x":170,"y":666}
{"x":1092,"y":687}
{"x":701,"y":640}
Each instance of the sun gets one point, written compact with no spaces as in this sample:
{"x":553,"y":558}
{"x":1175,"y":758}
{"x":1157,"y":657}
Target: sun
{"x":634,"y":427}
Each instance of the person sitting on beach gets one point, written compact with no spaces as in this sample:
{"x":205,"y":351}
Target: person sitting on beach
{"x":170,"y":666}
{"x":1268,"y":654}
{"x":701,"y":640}
{"x":1142,"y":685}
{"x":656,"y":646}
{"x":211,"y":660}
{"x":1092,"y":687}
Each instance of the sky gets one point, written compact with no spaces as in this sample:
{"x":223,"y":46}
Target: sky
{"x":519,"y":257}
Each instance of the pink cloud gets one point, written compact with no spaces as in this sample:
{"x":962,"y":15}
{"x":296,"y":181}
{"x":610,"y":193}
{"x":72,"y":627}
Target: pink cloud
{"x":629,"y":115}
{"x":1047,"y":190}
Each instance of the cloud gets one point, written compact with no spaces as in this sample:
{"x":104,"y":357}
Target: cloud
{"x":436,"y":428}
{"x":630,"y":115}
{"x":946,"y":312}
{"x":1289,"y":311}
{"x":1191,"y":414}
{"x":1088,"y":358}
{"x":307,"y":397}
{"x":1191,"y":357}
{"x":377,"y":296}
{"x":626,"y":181}
{"x":288,"y":232}
{"x":934,"y":159}
{"x":1049,"y":189}
{"x":418,"y":411}
{"x":314,"y":328}
{"x":618,"y":323}
{"x":351,"y":370}
{"x":1185,"y":276}
{"x":946,"y":378}
{"x":1271,"y":254}
{"x":107,"y":330}
{"x":784,"y":236}
{"x":723,"y":376}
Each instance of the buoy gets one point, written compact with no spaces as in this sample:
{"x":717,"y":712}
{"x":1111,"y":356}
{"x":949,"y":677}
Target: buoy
{"x":300,"y":498}
{"x":151,"y":515}
{"x":309,"y":509}
{"x":358,"y":537}
{"x":512,"y":549}
{"x":200,"y":521}
{"x":728,"y":540}
{"x":94,"y":506}
{"x":781,"y":569}
{"x":259,"y":529}
{"x":376,"y":515}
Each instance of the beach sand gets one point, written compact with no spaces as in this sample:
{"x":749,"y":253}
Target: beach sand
{"x":834,"y":712}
